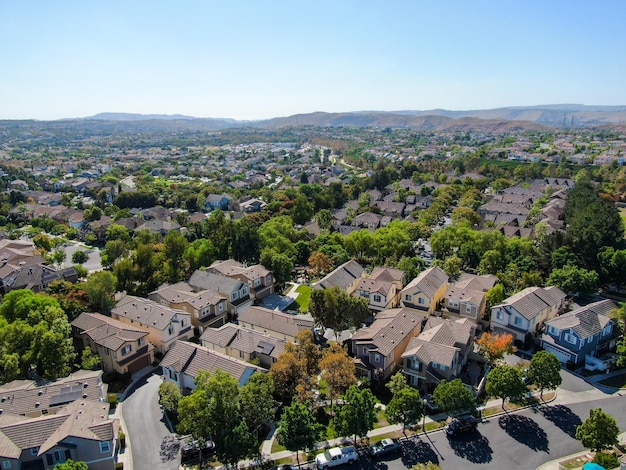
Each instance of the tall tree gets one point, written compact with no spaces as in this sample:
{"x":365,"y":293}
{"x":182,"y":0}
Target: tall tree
{"x":100,"y":288}
{"x":599,"y":431}
{"x":545,"y":371}
{"x":175,"y":246}
{"x":405,"y":407}
{"x":334,"y":308}
{"x":288,"y":373}
{"x":256,"y":400}
{"x":505,"y":382}
{"x":397,"y":382}
{"x":357,"y":415}
{"x":337,"y":370}
{"x":454,"y":397}
{"x":298,"y":428}
{"x":493,"y":346}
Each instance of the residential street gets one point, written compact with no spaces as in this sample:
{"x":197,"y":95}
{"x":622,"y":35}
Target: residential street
{"x":146,"y":427}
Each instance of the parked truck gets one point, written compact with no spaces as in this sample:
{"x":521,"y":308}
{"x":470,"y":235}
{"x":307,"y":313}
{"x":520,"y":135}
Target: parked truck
{"x":336,"y":456}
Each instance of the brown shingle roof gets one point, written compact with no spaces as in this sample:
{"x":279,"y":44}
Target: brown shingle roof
{"x":106,"y":331}
{"x":146,"y":312}
{"x":531,"y":301}
{"x":428,"y":281}
{"x":389,"y":329}
{"x":243,"y":339}
{"x":273,"y":320}
{"x":586,"y":321}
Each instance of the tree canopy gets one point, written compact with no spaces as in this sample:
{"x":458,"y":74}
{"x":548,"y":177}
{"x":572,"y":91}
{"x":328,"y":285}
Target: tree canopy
{"x":599,"y":431}
{"x":454,"y":397}
{"x":505,"y":382}
{"x":357,"y":416}
{"x":545,"y":371}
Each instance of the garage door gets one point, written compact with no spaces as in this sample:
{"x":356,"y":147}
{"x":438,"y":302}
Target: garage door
{"x":561,"y":356}
{"x":139,"y":364}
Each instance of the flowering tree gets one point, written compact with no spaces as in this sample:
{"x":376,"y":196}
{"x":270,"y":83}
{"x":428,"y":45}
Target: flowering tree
{"x":493,"y":346}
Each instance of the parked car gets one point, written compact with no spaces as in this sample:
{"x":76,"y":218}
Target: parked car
{"x":286,"y":467}
{"x":385,"y":447}
{"x":190,"y":449}
{"x":461,"y":425}
{"x":336,"y":456}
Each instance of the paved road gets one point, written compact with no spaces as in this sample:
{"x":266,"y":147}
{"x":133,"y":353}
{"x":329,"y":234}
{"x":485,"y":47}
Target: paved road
{"x":146,"y":427}
{"x":523,"y":440}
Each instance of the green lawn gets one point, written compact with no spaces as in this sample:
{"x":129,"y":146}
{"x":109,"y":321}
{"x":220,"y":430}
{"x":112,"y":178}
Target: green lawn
{"x":304,"y":297}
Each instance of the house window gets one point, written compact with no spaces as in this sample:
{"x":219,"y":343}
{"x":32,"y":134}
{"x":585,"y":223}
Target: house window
{"x":421,"y":301}
{"x":34,"y":450}
{"x":126,"y":349}
{"x":6,"y":464}
{"x":241,"y":354}
{"x":553,"y":331}
{"x":453,"y":303}
{"x":571,"y":339}
{"x":517,"y":321}
{"x":244,"y":291}
{"x":141,"y":341}
{"x":407,"y":297}
{"x":442,"y":366}
{"x":500,"y":315}
{"x":221,"y":307}
{"x":435,"y":365}
{"x":234,"y":296}
{"x":257,"y":282}
{"x":590,"y":340}
{"x":170,"y":330}
{"x":105,"y":446}
{"x":468,"y":309}
{"x":607,"y":330}
{"x":377,"y":298}
{"x":182,"y":323}
{"x":376,"y":357}
{"x":106,"y":351}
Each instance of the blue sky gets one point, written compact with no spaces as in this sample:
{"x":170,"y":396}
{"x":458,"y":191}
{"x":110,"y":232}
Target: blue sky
{"x":254,"y":59}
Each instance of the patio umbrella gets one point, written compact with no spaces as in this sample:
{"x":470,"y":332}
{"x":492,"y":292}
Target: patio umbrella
{"x":593,"y":466}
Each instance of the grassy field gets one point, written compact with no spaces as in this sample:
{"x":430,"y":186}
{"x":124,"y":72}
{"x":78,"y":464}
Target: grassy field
{"x":304,"y":297}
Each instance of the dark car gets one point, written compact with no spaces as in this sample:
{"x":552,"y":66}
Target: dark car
{"x":461,"y":425}
{"x":384,"y":447}
{"x":190,"y":450}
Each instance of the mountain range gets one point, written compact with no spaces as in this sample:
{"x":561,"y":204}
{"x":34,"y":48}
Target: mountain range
{"x":495,"y":120}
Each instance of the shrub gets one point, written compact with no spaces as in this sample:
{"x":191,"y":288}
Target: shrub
{"x":112,"y":399}
{"x":607,"y":460}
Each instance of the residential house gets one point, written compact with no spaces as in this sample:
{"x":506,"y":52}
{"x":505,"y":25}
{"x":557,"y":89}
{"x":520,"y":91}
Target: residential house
{"x":465,"y":303}
{"x":367,"y":220}
{"x":217,"y":201}
{"x":378,"y":348}
{"x":274,"y":323}
{"x":121,"y":348}
{"x":426,"y":290}
{"x":526,"y":312}
{"x":250,"y":205}
{"x":35,"y":277}
{"x":236,"y":291}
{"x":184,"y":360}
{"x":81,"y":431}
{"x":345,"y":277}
{"x":19,"y":185}
{"x":244,"y":343}
{"x":208,"y":308}
{"x":582,"y":335}
{"x":439,"y":352}
{"x":381,"y":287}
{"x":259,"y":279}
{"x":163,"y":324}
{"x":159,"y":226}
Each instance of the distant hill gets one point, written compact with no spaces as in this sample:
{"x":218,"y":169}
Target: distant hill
{"x":514,"y":118}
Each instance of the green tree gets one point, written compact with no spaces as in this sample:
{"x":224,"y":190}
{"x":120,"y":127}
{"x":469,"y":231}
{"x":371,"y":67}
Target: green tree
{"x":334,"y":308}
{"x":256,"y":400}
{"x":505,"y":382}
{"x":169,"y":396}
{"x":43,"y":242}
{"x":239,"y":444}
{"x":175,"y":247}
{"x":396,"y":383}
{"x":357,"y":415}
{"x":80,"y":257}
{"x":89,"y":360}
{"x":113,"y":250}
{"x":245,"y":243}
{"x":298,"y":428}
{"x":69,"y":464}
{"x":302,"y":210}
{"x":599,"y":431}
{"x":545,"y":371}
{"x":574,"y":280}
{"x":117,"y":232}
{"x":281,"y":266}
{"x":199,"y":253}
{"x":454,"y":397}
{"x":324,"y":219}
{"x":100,"y":288}
{"x":405,"y":407}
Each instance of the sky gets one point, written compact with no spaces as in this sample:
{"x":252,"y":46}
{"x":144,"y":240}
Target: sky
{"x":257,"y":59}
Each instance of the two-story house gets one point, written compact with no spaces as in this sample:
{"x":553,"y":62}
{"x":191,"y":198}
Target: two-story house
{"x":274,"y":323}
{"x":259,"y":279}
{"x":346,"y":277}
{"x":378,"y":348}
{"x":217,"y":201}
{"x":426,"y":290}
{"x":121,"y":348}
{"x":163,"y":324}
{"x":439,"y":352}
{"x":582,"y":335}
{"x":381,"y":288}
{"x":237,"y":292}
{"x":184,"y":360}
{"x":244,"y":343}
{"x":527,"y":311}
{"x":465,"y":303}
{"x":208,"y":308}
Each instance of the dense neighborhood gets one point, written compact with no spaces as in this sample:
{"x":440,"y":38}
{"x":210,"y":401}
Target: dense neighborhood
{"x":303,"y":287}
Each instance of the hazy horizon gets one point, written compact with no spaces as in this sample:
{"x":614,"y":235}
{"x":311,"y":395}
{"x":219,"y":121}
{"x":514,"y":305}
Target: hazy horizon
{"x":249,"y":60}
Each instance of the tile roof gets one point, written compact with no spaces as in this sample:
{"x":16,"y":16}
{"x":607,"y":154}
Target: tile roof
{"x":243,"y":339}
{"x":173,"y":292}
{"x":531,"y":301}
{"x":428,"y":282}
{"x":383,"y":273}
{"x":440,"y":340}
{"x":147,"y":312}
{"x":273,"y":320}
{"x":106,"y":331}
{"x":465,"y":295}
{"x":390,"y":327}
{"x":27,"y":396}
{"x":474,"y":282}
{"x":82,"y":419}
{"x":342,"y":276}
{"x":586,"y":321}
{"x":203,"y":280}
{"x":189,"y":358}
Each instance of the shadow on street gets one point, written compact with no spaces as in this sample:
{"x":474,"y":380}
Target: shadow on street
{"x":473,"y":447}
{"x":562,"y":417}
{"x":525,"y":431}
{"x":418,"y":451}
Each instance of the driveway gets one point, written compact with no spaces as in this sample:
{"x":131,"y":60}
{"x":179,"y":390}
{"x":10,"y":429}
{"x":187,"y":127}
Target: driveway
{"x":146,"y":427}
